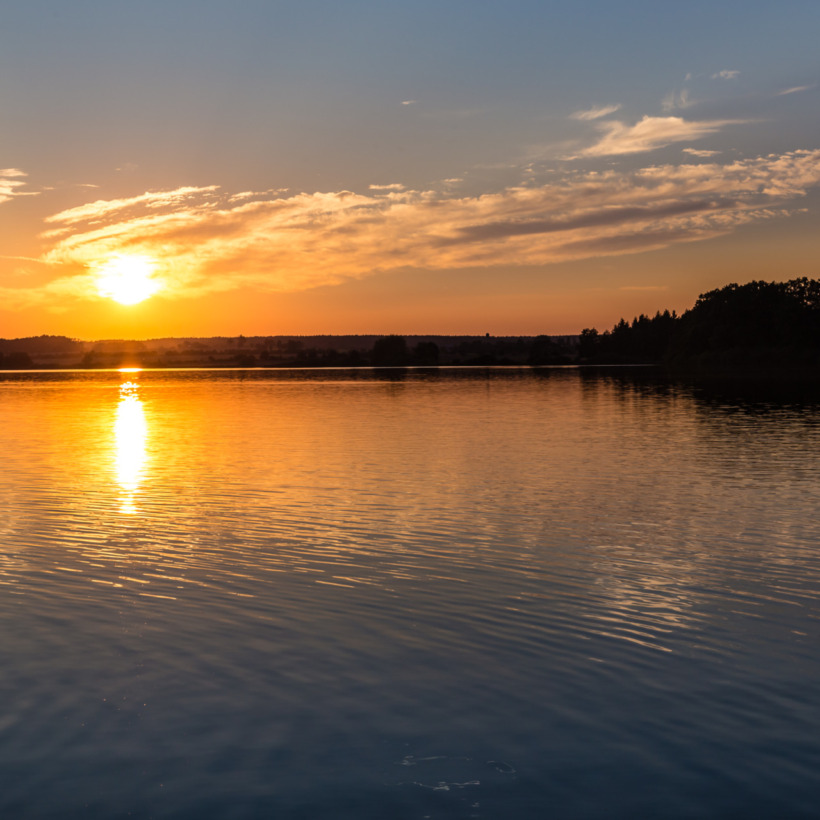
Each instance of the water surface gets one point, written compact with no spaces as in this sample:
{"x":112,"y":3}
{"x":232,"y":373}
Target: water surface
{"x":407,"y":594}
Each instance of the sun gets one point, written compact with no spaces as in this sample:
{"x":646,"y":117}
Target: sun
{"x":127,"y":278}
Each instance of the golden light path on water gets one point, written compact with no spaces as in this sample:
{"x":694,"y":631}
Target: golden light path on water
{"x":130,"y":436}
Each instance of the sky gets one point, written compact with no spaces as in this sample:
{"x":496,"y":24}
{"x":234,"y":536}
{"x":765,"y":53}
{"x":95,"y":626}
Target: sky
{"x":204,"y":167}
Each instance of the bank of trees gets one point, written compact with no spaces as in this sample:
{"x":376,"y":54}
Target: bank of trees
{"x":645,"y":339}
{"x":759,"y":323}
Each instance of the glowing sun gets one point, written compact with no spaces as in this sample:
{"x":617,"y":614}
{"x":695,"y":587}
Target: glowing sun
{"x":127,"y":278}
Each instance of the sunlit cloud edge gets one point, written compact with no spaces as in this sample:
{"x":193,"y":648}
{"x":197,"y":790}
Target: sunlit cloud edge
{"x":204,"y":242}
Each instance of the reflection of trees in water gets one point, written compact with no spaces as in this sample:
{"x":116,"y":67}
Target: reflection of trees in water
{"x":710,"y":396}
{"x":712,"y":487}
{"x":759,"y":398}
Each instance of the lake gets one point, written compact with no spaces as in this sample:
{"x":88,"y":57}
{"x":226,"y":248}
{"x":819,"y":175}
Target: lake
{"x":475,"y":593}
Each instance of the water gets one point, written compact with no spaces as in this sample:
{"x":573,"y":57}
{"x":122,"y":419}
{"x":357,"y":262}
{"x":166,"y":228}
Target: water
{"x":376,"y":594}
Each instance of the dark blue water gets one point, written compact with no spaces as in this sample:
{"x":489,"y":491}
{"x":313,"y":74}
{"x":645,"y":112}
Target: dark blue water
{"x":451,"y":594}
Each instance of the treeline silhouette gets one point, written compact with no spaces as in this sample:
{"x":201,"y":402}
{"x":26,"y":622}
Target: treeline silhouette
{"x":58,"y":352}
{"x":16,"y":360}
{"x":757,"y":325}
{"x":395,"y":351}
{"x":760,"y":326}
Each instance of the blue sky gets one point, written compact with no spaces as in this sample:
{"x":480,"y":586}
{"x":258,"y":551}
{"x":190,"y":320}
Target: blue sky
{"x":238,"y":145}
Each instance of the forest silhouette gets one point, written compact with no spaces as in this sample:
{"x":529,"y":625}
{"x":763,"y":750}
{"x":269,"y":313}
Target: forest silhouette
{"x":757,"y":327}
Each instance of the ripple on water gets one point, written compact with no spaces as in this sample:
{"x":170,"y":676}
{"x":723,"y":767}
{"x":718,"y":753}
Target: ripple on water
{"x":456,"y":597}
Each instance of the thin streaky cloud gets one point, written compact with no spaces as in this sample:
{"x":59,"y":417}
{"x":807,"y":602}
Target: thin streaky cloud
{"x":596,"y":112}
{"x":308,"y":240}
{"x":701,"y":152}
{"x":726,"y":74}
{"x":643,"y":287}
{"x":11,"y":181}
{"x":250,"y":194}
{"x":409,"y":102}
{"x":102,"y":207}
{"x":391,"y":186}
{"x":796,"y":90}
{"x":591,"y":219}
{"x":649,"y":134}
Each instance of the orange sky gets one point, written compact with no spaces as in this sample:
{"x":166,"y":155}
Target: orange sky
{"x":544,"y":190}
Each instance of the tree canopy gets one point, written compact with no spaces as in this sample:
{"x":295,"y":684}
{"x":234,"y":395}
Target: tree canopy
{"x":756,"y":322}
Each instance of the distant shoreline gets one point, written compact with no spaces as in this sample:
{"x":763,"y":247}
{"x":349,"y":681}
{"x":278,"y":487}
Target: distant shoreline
{"x":60,"y":353}
{"x":794,"y":375}
{"x":758,"y":330}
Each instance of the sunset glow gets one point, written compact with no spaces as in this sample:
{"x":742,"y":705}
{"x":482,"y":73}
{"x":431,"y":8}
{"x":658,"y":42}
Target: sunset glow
{"x":548,"y":171}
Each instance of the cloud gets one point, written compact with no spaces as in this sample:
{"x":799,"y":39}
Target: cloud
{"x":649,"y":134}
{"x":595,"y":113}
{"x":11,"y":182}
{"x":23,"y":258}
{"x":796,"y":90}
{"x":251,"y":194}
{"x":54,"y":295}
{"x":726,"y":74}
{"x":676,"y":100}
{"x":205,"y":242}
{"x":243,"y":195}
{"x":392,"y":186}
{"x":644,"y":287}
{"x":700,"y":152}
{"x":102,"y":208}
{"x":409,"y":102}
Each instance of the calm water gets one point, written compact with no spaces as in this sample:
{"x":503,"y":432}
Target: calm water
{"x":456,"y":594}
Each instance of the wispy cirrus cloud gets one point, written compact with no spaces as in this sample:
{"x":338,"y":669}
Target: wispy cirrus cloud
{"x":726,"y":74}
{"x":700,"y":152}
{"x":794,"y":90}
{"x":595,"y":112}
{"x":206,"y":242}
{"x":104,"y":207}
{"x":677,"y":100}
{"x":650,"y":133}
{"x":249,"y":194}
{"x":11,"y":181}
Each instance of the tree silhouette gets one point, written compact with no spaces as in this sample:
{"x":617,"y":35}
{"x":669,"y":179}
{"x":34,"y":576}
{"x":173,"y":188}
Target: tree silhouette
{"x":543,"y":350}
{"x":756,"y":324}
{"x":426,"y":354}
{"x":390,"y":351}
{"x":757,"y":320}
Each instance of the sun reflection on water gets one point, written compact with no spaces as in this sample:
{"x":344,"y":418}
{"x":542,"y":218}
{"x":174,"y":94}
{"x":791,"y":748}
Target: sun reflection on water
{"x":130,"y":433}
